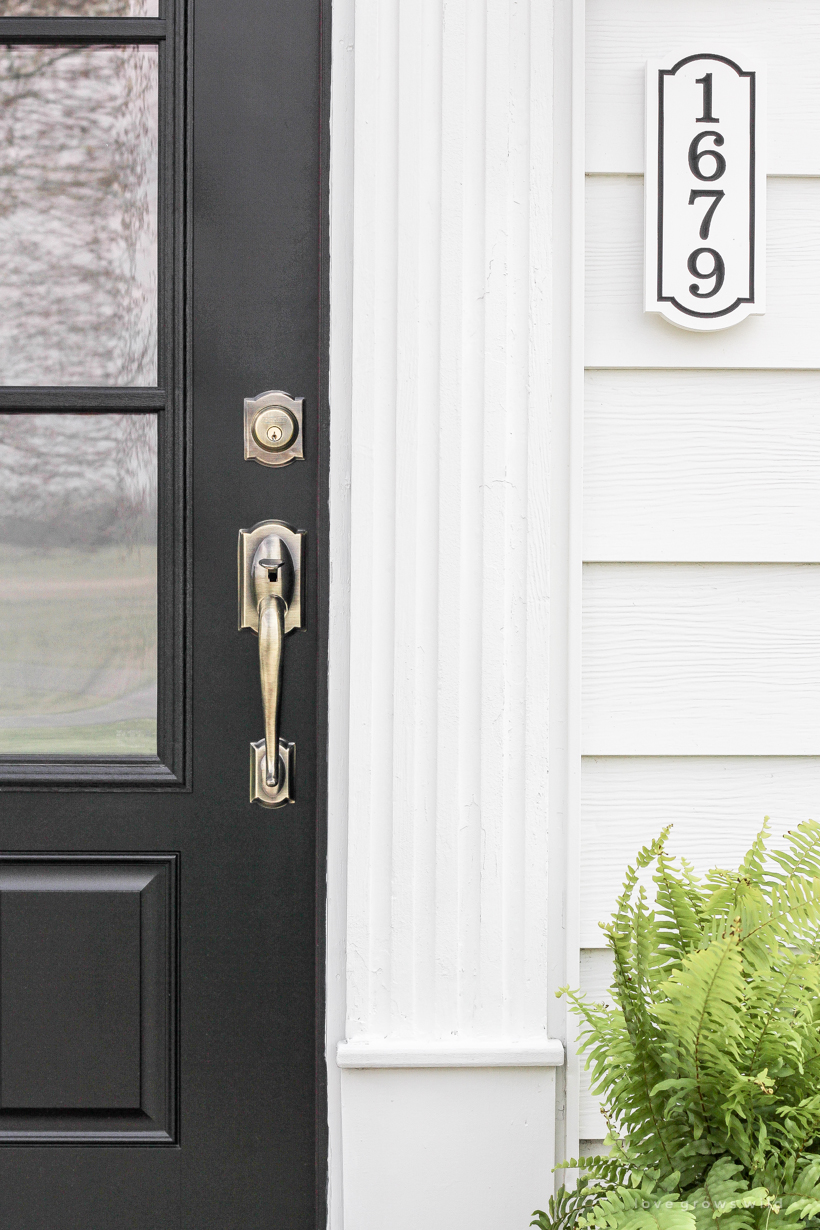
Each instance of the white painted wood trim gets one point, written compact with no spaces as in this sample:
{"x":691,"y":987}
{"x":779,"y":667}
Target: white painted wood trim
{"x":565,"y":564}
{"x":572,"y":907}
{"x":340,"y":395}
{"x":446,"y":479}
{"x":447,"y":1148}
{"x":447,"y":809}
{"x":379,"y":1053}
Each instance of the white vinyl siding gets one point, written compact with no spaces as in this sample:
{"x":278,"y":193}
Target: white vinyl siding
{"x":621,"y":35}
{"x":620,"y":334}
{"x":653,"y":492}
{"x":714,"y":803}
{"x":701,"y":637}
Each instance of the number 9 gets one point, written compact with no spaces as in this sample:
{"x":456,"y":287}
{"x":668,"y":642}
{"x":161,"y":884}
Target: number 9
{"x":718,"y":272}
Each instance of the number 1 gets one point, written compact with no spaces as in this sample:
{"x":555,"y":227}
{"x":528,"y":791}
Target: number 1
{"x":707,"y":117}
{"x":710,"y":212}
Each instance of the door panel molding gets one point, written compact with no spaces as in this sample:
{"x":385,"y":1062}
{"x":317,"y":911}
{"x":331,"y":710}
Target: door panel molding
{"x":88,"y":999}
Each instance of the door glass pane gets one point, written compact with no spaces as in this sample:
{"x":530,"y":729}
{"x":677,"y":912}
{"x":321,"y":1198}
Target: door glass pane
{"x":78,"y":215}
{"x":78,"y":583}
{"x":78,"y":8}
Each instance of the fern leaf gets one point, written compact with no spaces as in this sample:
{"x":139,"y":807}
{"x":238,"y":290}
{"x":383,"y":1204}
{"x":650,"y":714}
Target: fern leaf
{"x":707,"y":1061}
{"x":679,"y":927}
{"x":754,"y":861}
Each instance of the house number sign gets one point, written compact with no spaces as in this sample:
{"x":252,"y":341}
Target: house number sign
{"x":705,"y":192}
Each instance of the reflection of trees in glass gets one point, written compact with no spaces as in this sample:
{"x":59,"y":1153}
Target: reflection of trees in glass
{"x":78,"y":187}
{"x":85,"y":480}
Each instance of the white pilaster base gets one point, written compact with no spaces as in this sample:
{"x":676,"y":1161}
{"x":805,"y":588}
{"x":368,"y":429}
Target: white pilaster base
{"x":447,"y":1148}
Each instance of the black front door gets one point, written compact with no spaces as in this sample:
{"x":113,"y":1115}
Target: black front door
{"x":162,"y":220}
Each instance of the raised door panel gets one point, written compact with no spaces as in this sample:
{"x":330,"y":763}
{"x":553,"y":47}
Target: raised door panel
{"x":69,"y":998}
{"x":87,"y":1000}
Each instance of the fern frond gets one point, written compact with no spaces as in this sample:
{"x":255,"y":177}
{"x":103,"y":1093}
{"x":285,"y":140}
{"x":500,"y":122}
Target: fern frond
{"x":726,"y":1197}
{"x":701,"y":1016}
{"x":568,"y":1204}
{"x":802,"y":858}
{"x":679,"y":928}
{"x":642,"y":1207}
{"x":753,"y":865}
{"x":707,"y":1062}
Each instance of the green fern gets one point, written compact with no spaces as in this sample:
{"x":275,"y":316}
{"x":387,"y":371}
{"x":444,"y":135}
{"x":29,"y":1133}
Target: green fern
{"x":708,"y":1064}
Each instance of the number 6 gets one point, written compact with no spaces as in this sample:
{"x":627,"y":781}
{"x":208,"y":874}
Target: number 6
{"x":696,"y":154}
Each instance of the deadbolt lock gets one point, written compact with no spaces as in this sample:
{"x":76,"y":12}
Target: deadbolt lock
{"x":273,"y":428}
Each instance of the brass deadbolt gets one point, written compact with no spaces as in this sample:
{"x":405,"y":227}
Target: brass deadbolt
{"x":274,"y":428}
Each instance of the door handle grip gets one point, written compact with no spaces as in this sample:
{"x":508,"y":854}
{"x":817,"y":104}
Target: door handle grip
{"x":272,"y":604}
{"x":271,"y":667}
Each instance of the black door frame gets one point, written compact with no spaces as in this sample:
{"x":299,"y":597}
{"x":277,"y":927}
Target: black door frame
{"x":323,"y":585}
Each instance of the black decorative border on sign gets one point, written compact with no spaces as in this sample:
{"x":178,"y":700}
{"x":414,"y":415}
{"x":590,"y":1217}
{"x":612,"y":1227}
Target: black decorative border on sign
{"x":670,"y":72}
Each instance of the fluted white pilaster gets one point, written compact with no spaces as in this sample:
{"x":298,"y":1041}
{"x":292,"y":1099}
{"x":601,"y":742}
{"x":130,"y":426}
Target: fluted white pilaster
{"x":448,"y":830}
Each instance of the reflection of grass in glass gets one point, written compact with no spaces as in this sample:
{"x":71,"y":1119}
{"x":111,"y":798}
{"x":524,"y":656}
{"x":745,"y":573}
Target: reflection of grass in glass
{"x":133,"y":738}
{"x":77,"y":631}
{"x":97,"y":650}
{"x":75,"y":563}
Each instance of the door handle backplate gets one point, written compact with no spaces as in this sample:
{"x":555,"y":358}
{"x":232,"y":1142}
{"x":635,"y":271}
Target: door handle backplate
{"x":271,"y":603}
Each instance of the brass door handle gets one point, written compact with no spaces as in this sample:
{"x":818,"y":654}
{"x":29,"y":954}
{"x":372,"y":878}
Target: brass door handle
{"x":271,"y":663}
{"x":271,"y":602}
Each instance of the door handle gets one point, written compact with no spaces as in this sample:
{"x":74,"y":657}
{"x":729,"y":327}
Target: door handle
{"x":273,"y":581}
{"x":271,"y":603}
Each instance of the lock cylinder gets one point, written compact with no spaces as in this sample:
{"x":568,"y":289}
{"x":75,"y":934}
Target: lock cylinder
{"x":274,"y":429}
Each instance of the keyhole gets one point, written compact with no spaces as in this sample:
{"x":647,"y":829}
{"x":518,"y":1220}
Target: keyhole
{"x":274,"y":434}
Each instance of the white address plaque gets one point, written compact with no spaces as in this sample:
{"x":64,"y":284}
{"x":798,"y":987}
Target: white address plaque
{"x":705,"y":192}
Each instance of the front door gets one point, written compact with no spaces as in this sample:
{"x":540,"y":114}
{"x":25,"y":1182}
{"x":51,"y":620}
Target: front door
{"x":161,"y":376}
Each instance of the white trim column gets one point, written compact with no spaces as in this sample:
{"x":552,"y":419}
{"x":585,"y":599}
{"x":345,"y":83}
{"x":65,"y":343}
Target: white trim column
{"x":441,"y":352}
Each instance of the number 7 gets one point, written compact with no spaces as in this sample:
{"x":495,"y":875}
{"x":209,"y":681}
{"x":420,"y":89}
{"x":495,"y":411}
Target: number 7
{"x":710,"y":212}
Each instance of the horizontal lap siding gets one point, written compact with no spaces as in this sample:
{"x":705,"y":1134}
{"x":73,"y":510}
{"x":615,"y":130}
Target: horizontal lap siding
{"x":715,"y":804}
{"x":654,"y":492}
{"x":596,"y":976}
{"x":701,"y":659}
{"x":701,"y":638}
{"x":623,"y":34}
{"x":620,"y":334}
